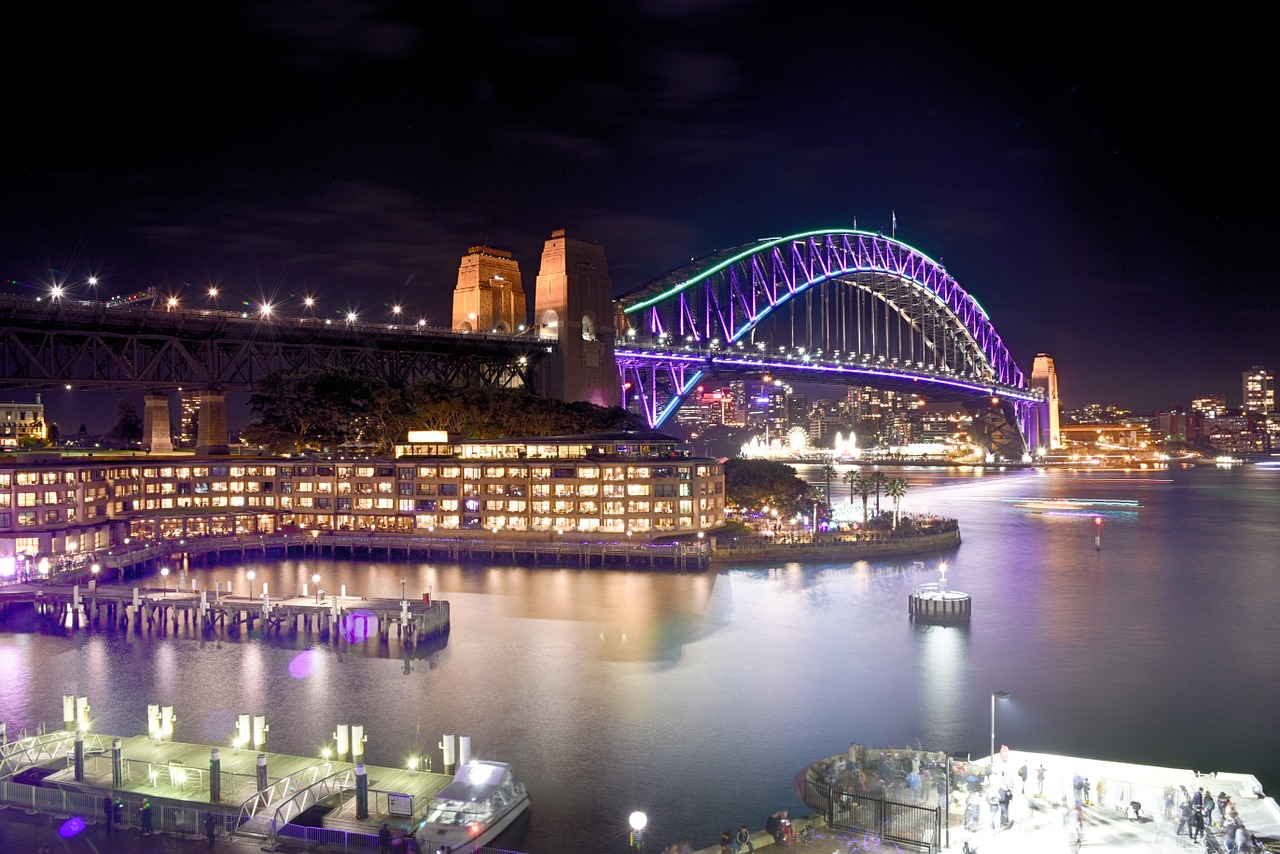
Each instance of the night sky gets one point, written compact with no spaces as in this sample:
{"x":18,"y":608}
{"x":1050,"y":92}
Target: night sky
{"x":1099,"y":185}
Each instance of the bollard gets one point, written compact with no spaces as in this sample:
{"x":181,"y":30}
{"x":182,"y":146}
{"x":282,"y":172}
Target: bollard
{"x":260,"y":730}
{"x":446,"y":746}
{"x":262,"y":772}
{"x":215,"y":776}
{"x":117,"y":764}
{"x":153,"y":721}
{"x":68,"y":711}
{"x":464,"y":749}
{"x":357,"y":743}
{"x":79,"y":760}
{"x":82,"y":713}
{"x":342,"y":742}
{"x":362,"y":794}
{"x":4,"y":733}
{"x":167,"y":720}
{"x":244,"y":734}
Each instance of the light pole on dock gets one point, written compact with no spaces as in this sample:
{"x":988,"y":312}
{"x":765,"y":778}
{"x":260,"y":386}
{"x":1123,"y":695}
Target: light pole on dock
{"x":315,"y":579}
{"x":164,"y":582}
{"x":250,"y":576}
{"x":402,"y":581}
{"x":638,"y":820}
{"x":995,"y":695}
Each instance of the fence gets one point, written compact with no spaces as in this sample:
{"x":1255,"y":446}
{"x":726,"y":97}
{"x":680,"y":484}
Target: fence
{"x":915,"y":825}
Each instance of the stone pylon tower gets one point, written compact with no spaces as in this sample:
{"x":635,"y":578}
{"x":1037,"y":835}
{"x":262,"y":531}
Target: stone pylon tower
{"x":489,"y":296}
{"x":1045,"y":376}
{"x":574,"y":305}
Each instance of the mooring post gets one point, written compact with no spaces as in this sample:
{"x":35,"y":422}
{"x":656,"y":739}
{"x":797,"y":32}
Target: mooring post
{"x":262,"y":772}
{"x":117,"y":764}
{"x":215,"y":776}
{"x":79,"y":760}
{"x":362,"y":793}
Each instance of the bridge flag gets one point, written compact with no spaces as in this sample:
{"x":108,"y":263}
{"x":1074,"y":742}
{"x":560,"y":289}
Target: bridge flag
{"x":893,"y":232}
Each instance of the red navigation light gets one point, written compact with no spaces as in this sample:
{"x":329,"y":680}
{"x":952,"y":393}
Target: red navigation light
{"x":626,"y":385}
{"x":1097,"y":520}
{"x":473,"y":828}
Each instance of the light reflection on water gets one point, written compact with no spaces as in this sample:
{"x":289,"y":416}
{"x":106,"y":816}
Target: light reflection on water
{"x":696,"y":698}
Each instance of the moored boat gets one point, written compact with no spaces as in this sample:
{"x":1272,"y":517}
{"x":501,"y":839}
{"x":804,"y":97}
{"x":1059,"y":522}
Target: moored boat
{"x":481,"y":802}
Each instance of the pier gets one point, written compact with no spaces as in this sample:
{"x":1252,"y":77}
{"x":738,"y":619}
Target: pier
{"x":159,"y":610}
{"x":249,"y":793}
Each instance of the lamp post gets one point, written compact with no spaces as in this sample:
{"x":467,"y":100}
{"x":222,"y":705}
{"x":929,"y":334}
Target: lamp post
{"x":250,"y":575}
{"x":402,"y":581}
{"x":995,"y":695}
{"x":315,"y":579}
{"x":164,"y":582}
{"x":315,"y":538}
{"x":637,"y":820}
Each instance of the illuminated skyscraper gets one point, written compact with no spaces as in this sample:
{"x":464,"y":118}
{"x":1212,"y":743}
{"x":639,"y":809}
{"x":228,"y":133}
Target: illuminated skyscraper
{"x":1045,"y":376}
{"x":1259,"y":390}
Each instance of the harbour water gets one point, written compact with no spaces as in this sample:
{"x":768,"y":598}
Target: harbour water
{"x":697,"y":697}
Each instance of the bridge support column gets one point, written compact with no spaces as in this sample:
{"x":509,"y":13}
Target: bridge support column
{"x":155,"y":424}
{"x":211,"y":426}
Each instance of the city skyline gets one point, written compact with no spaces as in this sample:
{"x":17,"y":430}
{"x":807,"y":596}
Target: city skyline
{"x":354,"y":152}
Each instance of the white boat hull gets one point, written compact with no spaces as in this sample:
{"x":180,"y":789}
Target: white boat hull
{"x":456,"y":837}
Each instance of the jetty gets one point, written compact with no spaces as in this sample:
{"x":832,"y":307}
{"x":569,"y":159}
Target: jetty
{"x":159,"y":609}
{"x":248,"y":792}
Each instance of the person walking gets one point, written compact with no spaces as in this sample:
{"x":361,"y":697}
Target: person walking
{"x":743,"y":839}
{"x":109,"y":810}
{"x":1005,"y":795}
{"x":1185,"y":819}
{"x":384,"y":839}
{"x":210,"y":828}
{"x":144,"y":812}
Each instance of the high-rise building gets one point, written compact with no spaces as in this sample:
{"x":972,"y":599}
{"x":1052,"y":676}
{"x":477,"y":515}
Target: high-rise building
{"x":1259,"y":387}
{"x":1045,"y":376}
{"x":1210,"y":405}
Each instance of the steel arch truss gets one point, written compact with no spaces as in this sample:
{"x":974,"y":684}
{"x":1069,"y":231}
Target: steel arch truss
{"x":825,"y":303}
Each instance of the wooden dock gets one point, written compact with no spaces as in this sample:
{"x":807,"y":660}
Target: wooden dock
{"x":212,"y":611}
{"x":256,"y":793}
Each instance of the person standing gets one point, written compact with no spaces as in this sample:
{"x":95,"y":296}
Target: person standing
{"x":109,"y":810}
{"x":118,"y":809}
{"x":1022,"y":775}
{"x":1077,"y":788}
{"x":1006,"y":795}
{"x":726,"y":842}
{"x":144,"y":812}
{"x":1040,"y":779}
{"x":1185,"y":819}
{"x":210,"y":828}
{"x":744,"y":841}
{"x":1197,"y":823}
{"x":1208,"y":811}
{"x":384,"y":838}
{"x":1101,"y":789}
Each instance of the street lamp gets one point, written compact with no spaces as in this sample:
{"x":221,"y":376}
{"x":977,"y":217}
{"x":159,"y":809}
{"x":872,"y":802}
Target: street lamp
{"x":995,"y":695}
{"x":637,"y":820}
{"x":315,"y":579}
{"x":250,"y":574}
{"x":164,"y":581}
{"x":402,"y":589}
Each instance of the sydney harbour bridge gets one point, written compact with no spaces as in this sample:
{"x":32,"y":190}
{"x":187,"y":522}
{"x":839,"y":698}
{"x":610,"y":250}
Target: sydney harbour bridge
{"x":831,"y":306}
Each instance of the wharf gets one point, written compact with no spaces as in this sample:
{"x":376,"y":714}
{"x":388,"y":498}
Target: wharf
{"x":39,"y":772}
{"x":213,"y":610}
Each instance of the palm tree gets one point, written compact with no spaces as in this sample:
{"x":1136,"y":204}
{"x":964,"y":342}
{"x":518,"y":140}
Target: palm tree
{"x":864,"y":488}
{"x":895,"y":488}
{"x":878,"y":481}
{"x":828,"y":474}
{"x":851,"y":478}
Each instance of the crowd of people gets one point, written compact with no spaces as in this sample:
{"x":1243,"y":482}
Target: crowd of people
{"x":1197,"y":816}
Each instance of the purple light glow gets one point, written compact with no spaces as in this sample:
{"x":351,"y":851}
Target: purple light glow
{"x":361,"y":625}
{"x":303,"y":664}
{"x":73,"y":826}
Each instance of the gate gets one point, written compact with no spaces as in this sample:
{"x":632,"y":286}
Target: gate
{"x":915,"y":825}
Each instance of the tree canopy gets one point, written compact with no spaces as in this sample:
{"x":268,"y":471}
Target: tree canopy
{"x":324,"y":408}
{"x":753,"y":484}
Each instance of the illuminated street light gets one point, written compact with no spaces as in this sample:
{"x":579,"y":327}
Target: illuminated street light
{"x":250,"y":575}
{"x":164,"y":582}
{"x":995,"y":695}
{"x":266,"y":309}
{"x":173,"y":303}
{"x":315,"y":579}
{"x":213,"y":292}
{"x":637,"y":820}
{"x":351,"y":317}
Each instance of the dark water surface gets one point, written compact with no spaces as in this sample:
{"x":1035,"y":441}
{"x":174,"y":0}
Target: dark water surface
{"x":696,"y":698}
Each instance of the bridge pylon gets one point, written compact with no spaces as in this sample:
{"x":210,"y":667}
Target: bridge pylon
{"x":573,"y":304}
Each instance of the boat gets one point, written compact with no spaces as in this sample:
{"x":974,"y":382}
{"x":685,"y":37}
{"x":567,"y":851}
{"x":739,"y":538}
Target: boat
{"x":481,"y":802}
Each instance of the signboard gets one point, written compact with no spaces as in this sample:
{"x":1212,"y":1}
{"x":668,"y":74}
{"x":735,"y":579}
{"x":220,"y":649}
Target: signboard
{"x":401,"y":805}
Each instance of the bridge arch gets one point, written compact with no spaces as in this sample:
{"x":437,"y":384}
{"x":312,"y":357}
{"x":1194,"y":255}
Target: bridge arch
{"x":835,"y":304}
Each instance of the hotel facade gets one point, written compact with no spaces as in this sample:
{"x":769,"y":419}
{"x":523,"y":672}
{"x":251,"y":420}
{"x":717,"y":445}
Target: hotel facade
{"x":614,"y":486}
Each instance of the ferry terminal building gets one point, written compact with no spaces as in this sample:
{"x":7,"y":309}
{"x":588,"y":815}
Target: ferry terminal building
{"x":624,"y":486}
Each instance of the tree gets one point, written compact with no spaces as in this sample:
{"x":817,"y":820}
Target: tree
{"x":878,"y":480}
{"x":751,"y":485}
{"x":828,"y":474}
{"x":313,"y":409}
{"x":864,"y":487}
{"x":127,"y":431}
{"x":895,"y":488}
